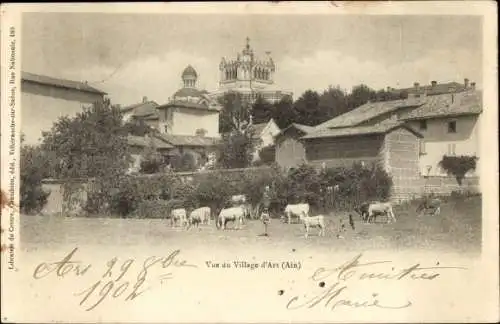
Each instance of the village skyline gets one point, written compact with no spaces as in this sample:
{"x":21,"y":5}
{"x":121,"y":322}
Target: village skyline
{"x":130,"y":56}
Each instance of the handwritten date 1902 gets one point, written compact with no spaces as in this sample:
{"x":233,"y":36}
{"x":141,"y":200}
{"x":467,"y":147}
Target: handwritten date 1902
{"x":112,"y":281}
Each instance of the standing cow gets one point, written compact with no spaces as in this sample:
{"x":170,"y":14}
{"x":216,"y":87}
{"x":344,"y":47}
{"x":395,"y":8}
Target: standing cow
{"x":232,"y":214}
{"x":297,"y":210}
{"x":199,"y":216}
{"x":314,"y":221}
{"x":178,"y":215}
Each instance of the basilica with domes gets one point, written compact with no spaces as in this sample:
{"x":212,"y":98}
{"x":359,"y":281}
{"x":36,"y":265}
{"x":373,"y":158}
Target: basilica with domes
{"x":249,"y":75}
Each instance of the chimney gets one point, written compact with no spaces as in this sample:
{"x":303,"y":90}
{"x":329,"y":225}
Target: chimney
{"x":389,"y":89}
{"x":473,"y":85}
{"x":416,"y":85}
{"x":466,"y":83}
{"x":144,"y":99}
{"x":434,"y":84}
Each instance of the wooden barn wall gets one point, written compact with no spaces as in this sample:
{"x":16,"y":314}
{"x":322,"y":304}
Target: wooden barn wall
{"x":343,"y":152}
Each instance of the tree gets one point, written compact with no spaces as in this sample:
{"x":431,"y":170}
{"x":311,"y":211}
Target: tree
{"x":151,"y":160}
{"x":332,"y":103}
{"x":262,"y":110}
{"x":236,"y":150}
{"x":237,"y":145}
{"x":137,"y":127}
{"x":35,"y":165}
{"x":307,"y":109}
{"x":458,"y":166}
{"x":360,"y":95}
{"x":284,"y":113}
{"x":235,"y":113}
{"x":92,"y":144}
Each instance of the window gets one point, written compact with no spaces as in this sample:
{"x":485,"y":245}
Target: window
{"x":451,"y":149}
{"x":452,"y":127}
{"x":423,"y":125}
{"x":422,"y":148}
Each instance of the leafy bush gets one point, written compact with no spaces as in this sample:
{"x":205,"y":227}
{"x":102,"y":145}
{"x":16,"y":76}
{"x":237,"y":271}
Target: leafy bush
{"x":124,"y":195}
{"x":458,"y":166}
{"x":138,"y":196}
{"x":304,"y":185}
{"x":35,"y":166}
{"x":267,"y":155}
{"x":213,"y":190}
{"x":151,"y":164}
{"x":158,"y":208}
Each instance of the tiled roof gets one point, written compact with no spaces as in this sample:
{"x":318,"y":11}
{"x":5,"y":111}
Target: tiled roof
{"x":439,"y":88}
{"x":462,"y":103}
{"x":306,"y":129}
{"x":142,"y":109}
{"x":144,"y":142}
{"x":381,"y":128}
{"x":61,"y":83}
{"x":188,"y":104}
{"x":186,"y":140}
{"x":368,"y":111}
{"x":188,"y":92}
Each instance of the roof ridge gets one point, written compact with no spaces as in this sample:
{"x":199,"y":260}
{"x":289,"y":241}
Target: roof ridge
{"x":61,"y":82}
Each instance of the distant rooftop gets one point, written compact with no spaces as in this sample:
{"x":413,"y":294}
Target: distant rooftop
{"x":187,"y":140}
{"x":143,"y":109}
{"x":60,"y":83}
{"x":380,"y":128}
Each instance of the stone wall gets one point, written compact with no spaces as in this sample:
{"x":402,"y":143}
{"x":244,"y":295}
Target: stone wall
{"x":401,"y":149}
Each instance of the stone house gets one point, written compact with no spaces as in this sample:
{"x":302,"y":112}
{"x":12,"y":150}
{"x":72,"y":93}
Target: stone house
{"x":137,"y":146}
{"x":44,"y":99}
{"x":144,"y":111}
{"x":408,"y":137}
{"x":200,"y":148}
{"x":190,"y":111}
{"x":394,"y":146}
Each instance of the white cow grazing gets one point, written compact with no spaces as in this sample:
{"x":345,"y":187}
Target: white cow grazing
{"x":178,"y":215}
{"x":314,"y":221}
{"x":200,"y":215}
{"x":234,"y":214}
{"x":298,"y":210}
{"x":381,"y":208}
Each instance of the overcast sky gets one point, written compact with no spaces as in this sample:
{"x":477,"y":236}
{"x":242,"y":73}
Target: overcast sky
{"x":144,"y":54}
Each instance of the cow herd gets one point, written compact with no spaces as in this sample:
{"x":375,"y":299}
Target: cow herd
{"x":293,"y":213}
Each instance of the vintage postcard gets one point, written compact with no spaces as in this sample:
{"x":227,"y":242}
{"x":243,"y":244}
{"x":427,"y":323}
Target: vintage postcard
{"x":249,"y":162}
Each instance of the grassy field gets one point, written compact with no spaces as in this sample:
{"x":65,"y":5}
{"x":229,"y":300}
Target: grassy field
{"x":458,"y":229}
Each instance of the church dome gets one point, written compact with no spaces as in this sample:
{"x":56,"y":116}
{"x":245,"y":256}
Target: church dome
{"x":188,"y":92}
{"x":189,"y":71}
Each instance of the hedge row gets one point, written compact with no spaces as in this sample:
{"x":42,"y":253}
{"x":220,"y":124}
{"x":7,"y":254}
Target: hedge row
{"x":156,"y":195}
